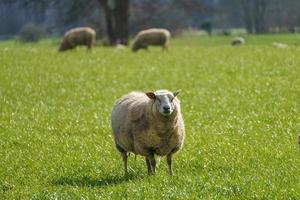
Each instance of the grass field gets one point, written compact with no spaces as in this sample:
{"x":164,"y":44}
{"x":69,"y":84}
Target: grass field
{"x":240,"y":105}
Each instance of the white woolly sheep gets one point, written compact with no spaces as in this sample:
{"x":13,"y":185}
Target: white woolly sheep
{"x":153,"y":36}
{"x":238,"y":41}
{"x":78,"y":36}
{"x":279,"y":45}
{"x":148,"y":124}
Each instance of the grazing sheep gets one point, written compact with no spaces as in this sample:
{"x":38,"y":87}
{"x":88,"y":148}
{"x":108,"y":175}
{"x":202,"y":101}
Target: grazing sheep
{"x":279,"y":45}
{"x":78,"y":36}
{"x":120,"y":46}
{"x":148,"y":124}
{"x":237,"y":41}
{"x":154,"y":36}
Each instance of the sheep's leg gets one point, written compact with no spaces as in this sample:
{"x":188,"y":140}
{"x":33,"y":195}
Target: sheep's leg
{"x":125,"y":160}
{"x":152,"y":163}
{"x":165,"y":48}
{"x":89,"y":47}
{"x":169,"y":161}
{"x":124,"y":156}
{"x":148,"y":165}
{"x":146,"y":48}
{"x":72,"y":45}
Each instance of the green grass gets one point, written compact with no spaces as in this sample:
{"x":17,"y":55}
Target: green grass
{"x":240,"y":105}
{"x":257,"y":40}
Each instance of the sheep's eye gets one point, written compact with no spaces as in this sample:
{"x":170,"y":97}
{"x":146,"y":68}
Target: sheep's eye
{"x":159,"y":101}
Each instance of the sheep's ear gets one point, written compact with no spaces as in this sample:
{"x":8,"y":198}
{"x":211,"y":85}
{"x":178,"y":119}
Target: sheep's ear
{"x":151,"y":95}
{"x":176,"y":93}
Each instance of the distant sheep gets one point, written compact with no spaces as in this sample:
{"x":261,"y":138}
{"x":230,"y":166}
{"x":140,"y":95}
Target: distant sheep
{"x":279,"y":45}
{"x":154,"y":36}
{"x":148,"y":124}
{"x":78,"y":36}
{"x":238,"y":41}
{"x":120,"y":46}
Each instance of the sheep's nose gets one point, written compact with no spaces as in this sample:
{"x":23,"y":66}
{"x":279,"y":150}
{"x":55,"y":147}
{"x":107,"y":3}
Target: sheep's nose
{"x":166,"y":109}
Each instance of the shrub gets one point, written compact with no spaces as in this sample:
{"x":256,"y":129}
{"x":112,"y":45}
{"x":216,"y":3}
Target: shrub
{"x":192,"y":33}
{"x":31,"y":32}
{"x":207,"y":26}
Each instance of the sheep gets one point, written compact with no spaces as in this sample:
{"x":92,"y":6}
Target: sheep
{"x":238,"y":41}
{"x":78,"y":36}
{"x":120,"y":46}
{"x":148,"y":124}
{"x":279,"y":45}
{"x":153,"y":36}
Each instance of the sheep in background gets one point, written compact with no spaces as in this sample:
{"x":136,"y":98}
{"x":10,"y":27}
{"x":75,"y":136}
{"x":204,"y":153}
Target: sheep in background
{"x":279,"y":45}
{"x":154,"y":36}
{"x":148,"y":124}
{"x":237,"y":41}
{"x":78,"y":36}
{"x":120,"y":46}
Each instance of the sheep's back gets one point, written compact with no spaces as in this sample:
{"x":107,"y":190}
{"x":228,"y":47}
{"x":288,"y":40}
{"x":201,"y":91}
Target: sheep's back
{"x":80,"y":35}
{"x":154,"y":36}
{"x":238,"y":41}
{"x":127,"y":109}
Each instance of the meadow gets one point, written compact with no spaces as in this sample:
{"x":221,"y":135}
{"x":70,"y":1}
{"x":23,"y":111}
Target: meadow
{"x":240,"y":106}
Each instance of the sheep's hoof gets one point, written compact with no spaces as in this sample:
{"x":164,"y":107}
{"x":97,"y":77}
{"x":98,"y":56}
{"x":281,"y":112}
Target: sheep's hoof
{"x":151,"y":173}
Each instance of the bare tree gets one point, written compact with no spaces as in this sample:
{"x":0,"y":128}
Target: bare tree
{"x":116,"y":17}
{"x":259,"y":14}
{"x":253,"y":13}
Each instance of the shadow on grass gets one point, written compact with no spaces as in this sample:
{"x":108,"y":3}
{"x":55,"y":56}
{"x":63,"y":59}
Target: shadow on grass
{"x":86,"y":181}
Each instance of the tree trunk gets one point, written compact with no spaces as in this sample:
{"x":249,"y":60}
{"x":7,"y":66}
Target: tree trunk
{"x":254,"y":15}
{"x":116,"y":17}
{"x":110,"y":26}
{"x":259,"y":16}
{"x":121,"y":17}
{"x":248,"y":15}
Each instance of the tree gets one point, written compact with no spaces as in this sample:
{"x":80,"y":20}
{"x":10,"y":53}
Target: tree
{"x":170,"y":14}
{"x":259,"y":14}
{"x":116,"y":17}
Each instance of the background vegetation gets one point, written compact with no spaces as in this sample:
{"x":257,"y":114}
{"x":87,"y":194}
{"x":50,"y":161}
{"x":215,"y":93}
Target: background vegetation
{"x":255,"y":16}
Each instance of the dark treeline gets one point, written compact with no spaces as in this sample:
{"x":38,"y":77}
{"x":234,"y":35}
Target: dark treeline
{"x":261,"y":16}
{"x":110,"y":16}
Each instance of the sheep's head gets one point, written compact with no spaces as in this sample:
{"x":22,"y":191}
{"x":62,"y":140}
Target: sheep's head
{"x":164,"y":101}
{"x":62,"y":47}
{"x":135,"y":47}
